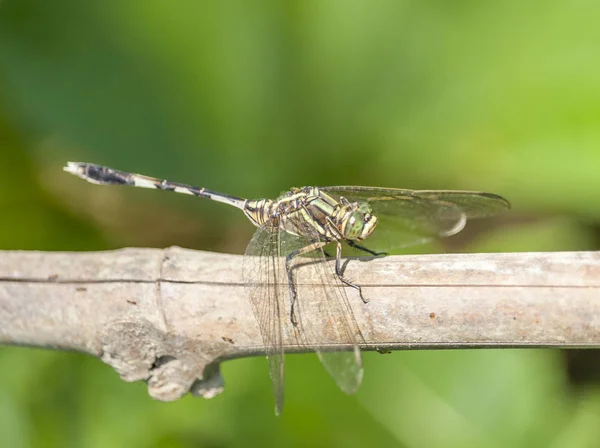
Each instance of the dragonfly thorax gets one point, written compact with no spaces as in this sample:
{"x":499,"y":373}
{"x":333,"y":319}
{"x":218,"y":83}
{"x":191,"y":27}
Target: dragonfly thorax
{"x":310,"y":211}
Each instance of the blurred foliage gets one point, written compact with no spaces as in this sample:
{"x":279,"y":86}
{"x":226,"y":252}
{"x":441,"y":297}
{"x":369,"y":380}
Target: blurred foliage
{"x":251,"y":98}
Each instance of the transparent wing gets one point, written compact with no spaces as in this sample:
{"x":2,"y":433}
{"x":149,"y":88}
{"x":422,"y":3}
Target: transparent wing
{"x":325,"y":317}
{"x":408,"y":217}
{"x":474,"y":204}
{"x":267,"y":290}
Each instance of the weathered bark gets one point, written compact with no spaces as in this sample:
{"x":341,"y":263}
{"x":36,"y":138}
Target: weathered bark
{"x":170,"y":316}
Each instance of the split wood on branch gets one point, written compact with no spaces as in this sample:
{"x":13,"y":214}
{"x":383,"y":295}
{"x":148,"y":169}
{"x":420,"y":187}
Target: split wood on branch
{"x":170,"y":316}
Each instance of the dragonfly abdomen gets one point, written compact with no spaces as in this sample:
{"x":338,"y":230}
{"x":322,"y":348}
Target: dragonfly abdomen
{"x":102,"y":175}
{"x":261,"y":212}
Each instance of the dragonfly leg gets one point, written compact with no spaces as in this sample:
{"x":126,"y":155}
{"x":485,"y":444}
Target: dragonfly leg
{"x":364,"y":249}
{"x":338,"y":272}
{"x":290,"y":274}
{"x":292,"y":285}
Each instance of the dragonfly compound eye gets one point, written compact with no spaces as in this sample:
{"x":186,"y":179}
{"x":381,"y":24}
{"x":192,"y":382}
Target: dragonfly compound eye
{"x":353,"y":225}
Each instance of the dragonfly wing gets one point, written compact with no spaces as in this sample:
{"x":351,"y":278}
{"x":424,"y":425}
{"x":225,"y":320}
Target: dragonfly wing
{"x":265,"y":283}
{"x":344,"y":367}
{"x":324,"y":315}
{"x":474,"y":204}
{"x":408,"y":217}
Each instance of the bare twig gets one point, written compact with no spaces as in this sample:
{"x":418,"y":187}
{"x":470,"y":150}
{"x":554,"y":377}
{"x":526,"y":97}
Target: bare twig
{"x":170,"y":316}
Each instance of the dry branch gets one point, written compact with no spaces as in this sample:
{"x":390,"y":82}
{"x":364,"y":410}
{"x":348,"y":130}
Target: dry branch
{"x":170,"y":316}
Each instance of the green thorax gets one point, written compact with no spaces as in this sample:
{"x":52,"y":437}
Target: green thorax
{"x":310,"y":211}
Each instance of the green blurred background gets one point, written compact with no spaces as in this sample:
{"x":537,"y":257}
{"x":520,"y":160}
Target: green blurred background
{"x":251,"y":98}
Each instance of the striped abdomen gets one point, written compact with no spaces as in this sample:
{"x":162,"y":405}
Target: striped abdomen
{"x":261,"y":212}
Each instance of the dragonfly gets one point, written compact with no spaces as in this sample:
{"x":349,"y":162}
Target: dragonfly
{"x":294,"y":234}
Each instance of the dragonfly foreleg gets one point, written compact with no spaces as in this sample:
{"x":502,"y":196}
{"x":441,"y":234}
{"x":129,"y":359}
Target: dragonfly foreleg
{"x":338,"y":272}
{"x":290,"y":274}
{"x":365,"y":249}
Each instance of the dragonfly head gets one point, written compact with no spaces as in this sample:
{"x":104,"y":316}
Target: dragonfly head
{"x":357,"y":222}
